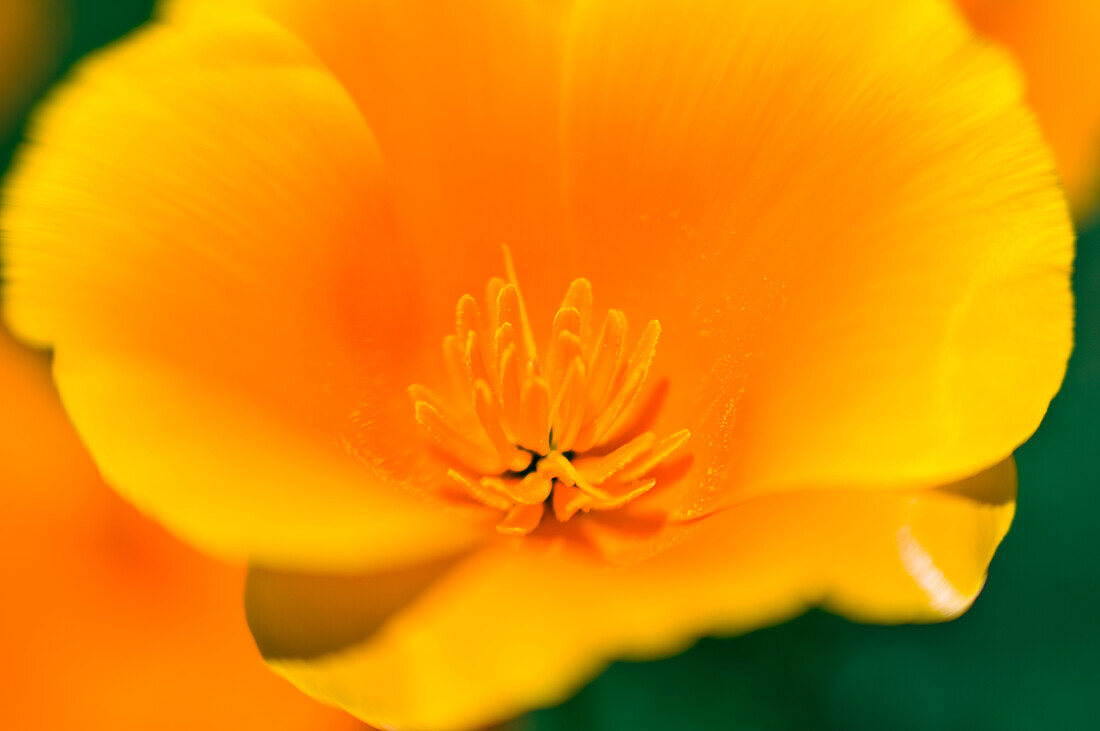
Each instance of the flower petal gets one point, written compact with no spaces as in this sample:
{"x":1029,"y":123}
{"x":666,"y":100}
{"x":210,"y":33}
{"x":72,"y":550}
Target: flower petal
{"x":463,"y":100}
{"x":203,"y":236}
{"x":1054,"y":42}
{"x":522,"y":623}
{"x":846,"y":222}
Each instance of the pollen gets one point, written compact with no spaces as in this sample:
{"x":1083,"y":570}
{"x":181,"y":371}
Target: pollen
{"x":527,"y":432}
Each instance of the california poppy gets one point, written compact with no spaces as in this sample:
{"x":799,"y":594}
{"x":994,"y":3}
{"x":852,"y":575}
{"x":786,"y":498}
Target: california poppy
{"x":755,"y":300}
{"x":1054,"y":42}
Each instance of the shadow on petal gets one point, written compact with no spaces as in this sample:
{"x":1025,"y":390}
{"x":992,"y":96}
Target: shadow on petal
{"x":302,"y":616}
{"x":994,"y":486}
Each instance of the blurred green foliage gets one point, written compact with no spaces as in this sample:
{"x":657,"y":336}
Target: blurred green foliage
{"x":1027,"y":656}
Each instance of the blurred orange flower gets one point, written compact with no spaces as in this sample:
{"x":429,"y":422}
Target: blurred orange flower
{"x":30,"y":41}
{"x":112,"y":623}
{"x":243,"y":232}
{"x":1055,"y":44}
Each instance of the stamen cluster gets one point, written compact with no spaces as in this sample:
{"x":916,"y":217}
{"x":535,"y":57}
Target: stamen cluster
{"x":527,"y":430}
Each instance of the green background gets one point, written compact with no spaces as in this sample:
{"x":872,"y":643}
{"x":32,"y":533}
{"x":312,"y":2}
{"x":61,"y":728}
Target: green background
{"x":1027,"y":656}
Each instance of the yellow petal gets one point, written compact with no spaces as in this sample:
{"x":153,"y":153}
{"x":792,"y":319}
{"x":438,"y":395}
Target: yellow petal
{"x":487,"y":640}
{"x":845,"y":220}
{"x":190,"y":234}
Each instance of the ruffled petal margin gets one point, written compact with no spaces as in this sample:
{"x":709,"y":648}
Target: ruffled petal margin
{"x":522,"y":623}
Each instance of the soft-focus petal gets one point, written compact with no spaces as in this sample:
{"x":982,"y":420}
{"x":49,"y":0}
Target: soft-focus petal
{"x":203,"y":236}
{"x":522,"y":623}
{"x":1055,"y":44}
{"x":846,"y":222}
{"x":109,"y":622}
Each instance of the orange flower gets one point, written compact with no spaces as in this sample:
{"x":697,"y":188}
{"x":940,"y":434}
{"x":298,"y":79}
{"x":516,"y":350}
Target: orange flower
{"x":1055,"y":43}
{"x":244,"y":231}
{"x":136,"y":630}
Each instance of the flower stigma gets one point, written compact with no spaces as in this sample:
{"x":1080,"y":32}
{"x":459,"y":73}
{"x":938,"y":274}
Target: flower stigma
{"x":528,"y":432}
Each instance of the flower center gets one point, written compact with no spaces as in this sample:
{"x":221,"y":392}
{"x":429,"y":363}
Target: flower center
{"x":530,"y":430}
